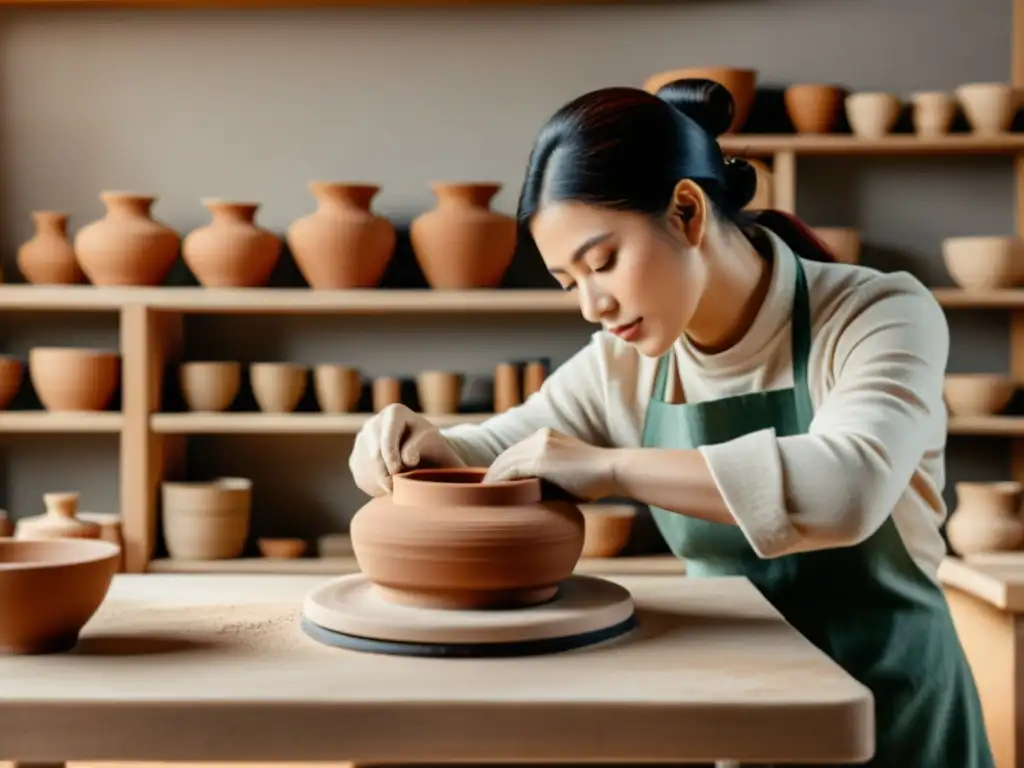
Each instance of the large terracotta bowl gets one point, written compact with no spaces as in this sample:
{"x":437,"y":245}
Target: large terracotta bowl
{"x":444,"y":539}
{"x":74,"y":379}
{"x":50,"y":589}
{"x":741,"y":83}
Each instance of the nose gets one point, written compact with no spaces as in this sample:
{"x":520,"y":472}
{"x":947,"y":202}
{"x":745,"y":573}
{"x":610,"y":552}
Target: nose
{"x":594,"y":303}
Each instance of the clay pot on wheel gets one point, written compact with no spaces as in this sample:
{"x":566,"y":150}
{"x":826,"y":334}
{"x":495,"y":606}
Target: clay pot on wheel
{"x":443,"y":539}
{"x":232,"y":251}
{"x":986,"y":518}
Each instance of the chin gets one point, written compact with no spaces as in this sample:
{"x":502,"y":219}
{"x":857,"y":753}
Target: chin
{"x":653,"y":347}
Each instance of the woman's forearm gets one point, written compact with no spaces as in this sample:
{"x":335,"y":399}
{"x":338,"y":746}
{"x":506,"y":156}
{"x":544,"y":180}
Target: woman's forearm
{"x":676,"y":480}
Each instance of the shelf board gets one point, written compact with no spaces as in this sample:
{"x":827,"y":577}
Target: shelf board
{"x":46,"y":422}
{"x":994,"y":426}
{"x":241,"y":4}
{"x":280,"y":423}
{"x":641,"y":565}
{"x":761,"y":145}
{"x":996,"y":298}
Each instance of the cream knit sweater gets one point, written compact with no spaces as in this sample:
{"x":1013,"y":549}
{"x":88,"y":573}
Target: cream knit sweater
{"x":876,"y":445}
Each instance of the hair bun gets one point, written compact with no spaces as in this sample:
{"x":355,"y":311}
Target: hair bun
{"x":706,"y":102}
{"x":740,"y":183}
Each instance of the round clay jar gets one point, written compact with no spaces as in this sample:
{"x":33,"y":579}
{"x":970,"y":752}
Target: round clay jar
{"x":444,"y":539}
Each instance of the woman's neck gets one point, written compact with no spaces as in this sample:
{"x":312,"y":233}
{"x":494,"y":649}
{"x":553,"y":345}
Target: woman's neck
{"x":738,"y":279}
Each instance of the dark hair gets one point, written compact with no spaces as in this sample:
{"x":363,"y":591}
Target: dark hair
{"x":626,"y":149}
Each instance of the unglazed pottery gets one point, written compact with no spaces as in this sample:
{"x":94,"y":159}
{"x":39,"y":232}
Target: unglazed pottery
{"x":278,"y":387}
{"x":232,"y":251}
{"x":814,"y":107}
{"x":12,"y":371}
{"x":343,"y":244}
{"x":933,"y":113}
{"x":210,"y":386}
{"x":74,"y":379}
{"x":282,"y":549}
{"x":461,"y":243}
{"x":127,"y":246}
{"x":337,"y":387}
{"x":741,"y":83}
{"x":385,"y":391}
{"x":6,"y":524}
{"x":444,"y":539}
{"x":59,"y":521}
{"x":607,"y":528}
{"x":978,"y":263}
{"x":843,"y":242}
{"x":534,"y":374}
{"x":439,"y":392}
{"x":872,"y":115}
{"x":977,"y":394}
{"x":110,"y":530}
{"x":986,"y":518}
{"x":508,"y":391}
{"x":48,"y":258}
{"x":206,"y":520}
{"x":49,"y":590}
{"x":989,"y":107}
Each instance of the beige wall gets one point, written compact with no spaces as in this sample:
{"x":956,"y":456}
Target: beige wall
{"x":254,"y":104}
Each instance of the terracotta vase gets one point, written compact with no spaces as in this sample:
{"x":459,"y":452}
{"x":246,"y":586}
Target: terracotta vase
{"x":461,"y":243}
{"x":343,"y":244}
{"x":813,"y":108}
{"x":232,"y":251}
{"x":74,"y":379}
{"x":48,"y":258}
{"x":741,"y":84}
{"x":59,"y":521}
{"x":12,"y":371}
{"x":443,"y":539}
{"x":206,"y":520}
{"x":127,"y":246}
{"x":986,"y":518}
{"x":210,"y":387}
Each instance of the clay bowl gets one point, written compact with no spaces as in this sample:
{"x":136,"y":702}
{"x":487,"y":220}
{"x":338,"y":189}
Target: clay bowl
{"x":988,"y":107}
{"x":443,"y":539}
{"x":282,"y":549}
{"x":12,"y":371}
{"x":933,"y":112}
{"x":210,"y":387}
{"x":741,"y":83}
{"x":49,"y":590}
{"x":74,"y":379}
{"x":607,"y":528}
{"x":978,"y":263}
{"x":439,"y":392}
{"x":977,"y":394}
{"x":813,"y":107}
{"x":872,"y":115}
{"x":843,"y":242}
{"x":206,"y":520}
{"x":277,"y":387}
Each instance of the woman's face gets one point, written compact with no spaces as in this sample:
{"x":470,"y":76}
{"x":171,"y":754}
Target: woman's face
{"x":639,"y":280}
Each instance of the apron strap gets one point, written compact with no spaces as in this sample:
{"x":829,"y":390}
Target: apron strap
{"x":661,"y":378}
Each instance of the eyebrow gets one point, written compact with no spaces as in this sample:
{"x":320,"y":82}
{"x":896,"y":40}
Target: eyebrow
{"x":582,"y":249}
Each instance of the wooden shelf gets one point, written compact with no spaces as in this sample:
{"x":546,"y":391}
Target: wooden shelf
{"x":280,"y":423}
{"x":1000,"y":298}
{"x":46,"y":422}
{"x":994,"y":426}
{"x":761,"y":145}
{"x":240,"y":4}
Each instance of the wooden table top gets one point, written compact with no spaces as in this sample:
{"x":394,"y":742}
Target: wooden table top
{"x":997,"y":578}
{"x":214,"y":667}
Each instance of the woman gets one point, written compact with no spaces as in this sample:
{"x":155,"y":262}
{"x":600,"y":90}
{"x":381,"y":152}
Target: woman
{"x":781,"y":414}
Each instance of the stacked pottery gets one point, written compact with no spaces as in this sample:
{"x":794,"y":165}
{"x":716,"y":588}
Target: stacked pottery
{"x":445,"y":539}
{"x":59,"y":521}
{"x":231,"y":251}
{"x":987,"y":518}
{"x":461,"y":243}
{"x":206,"y":520}
{"x":127,"y":246}
{"x":48,"y":257}
{"x":74,"y":379}
{"x":343,"y":244}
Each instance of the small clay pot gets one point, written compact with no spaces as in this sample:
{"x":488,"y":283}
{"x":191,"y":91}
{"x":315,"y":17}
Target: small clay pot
{"x":741,"y":84}
{"x":59,"y":521}
{"x":989,"y":107}
{"x":981,"y":263}
{"x":48,"y":258}
{"x":986,"y":518}
{"x":445,"y":539}
{"x":210,"y":387}
{"x":534,"y":374}
{"x":282,"y":549}
{"x":232,"y":251}
{"x":12,"y":371}
{"x":278,"y":387}
{"x":206,"y":520}
{"x":813,"y":107}
{"x":977,"y":394}
{"x":933,"y":113}
{"x":872,"y":115}
{"x":607,"y":528}
{"x":337,"y":387}
{"x":843,"y":242}
{"x":386,"y":390}
{"x":439,"y":392}
{"x":74,"y":379}
{"x":507,"y":387}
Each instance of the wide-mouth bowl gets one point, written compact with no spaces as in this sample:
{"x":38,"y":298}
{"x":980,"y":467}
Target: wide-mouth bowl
{"x":43,"y":554}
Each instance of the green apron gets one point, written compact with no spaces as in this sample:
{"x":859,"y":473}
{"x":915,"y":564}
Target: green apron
{"x":868,"y":606}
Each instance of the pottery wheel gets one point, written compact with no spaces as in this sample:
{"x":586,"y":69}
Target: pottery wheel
{"x":348,"y":612}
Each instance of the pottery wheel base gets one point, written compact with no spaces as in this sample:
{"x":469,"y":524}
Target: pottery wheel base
{"x":348,"y":612}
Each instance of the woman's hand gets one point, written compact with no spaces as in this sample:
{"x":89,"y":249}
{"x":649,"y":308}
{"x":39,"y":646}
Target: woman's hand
{"x":580,"y":469}
{"x":396,"y":440}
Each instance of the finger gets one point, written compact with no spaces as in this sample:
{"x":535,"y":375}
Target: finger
{"x":505,"y":467}
{"x":411,"y":452}
{"x":392,"y":426}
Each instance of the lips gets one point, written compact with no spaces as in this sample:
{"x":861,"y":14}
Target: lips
{"x":628,"y":331}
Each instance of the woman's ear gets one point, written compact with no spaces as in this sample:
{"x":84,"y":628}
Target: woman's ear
{"x":688,"y":212}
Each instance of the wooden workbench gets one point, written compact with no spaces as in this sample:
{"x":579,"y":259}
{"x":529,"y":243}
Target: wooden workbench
{"x":214,"y":668}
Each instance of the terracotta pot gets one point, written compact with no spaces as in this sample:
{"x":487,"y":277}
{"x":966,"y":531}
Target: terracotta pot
{"x":989,"y":107}
{"x":277,"y":387}
{"x":127,"y":246}
{"x":74,"y":379}
{"x":741,"y":83}
{"x":386,"y":390}
{"x":49,"y":590}
{"x":977,"y":394}
{"x":607,"y":528}
{"x":462,"y":243}
{"x":872,"y":115}
{"x":507,"y":387}
{"x":814,"y":108}
{"x":843,"y":242}
{"x":231,"y":251}
{"x":439,"y":392}
{"x":12,"y":371}
{"x":206,"y":521}
{"x":48,"y":257}
{"x":338,"y":387}
{"x":282,"y":549}
{"x":210,"y":387}
{"x":6,"y":524}
{"x":933,"y":112}
{"x":978,"y":263}
{"x":987,"y":518}
{"x":534,"y":374}
{"x":443,"y":539}
{"x":343,"y":244}
{"x":59,"y":521}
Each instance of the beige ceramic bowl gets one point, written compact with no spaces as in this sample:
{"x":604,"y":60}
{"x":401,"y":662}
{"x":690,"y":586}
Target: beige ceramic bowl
{"x":983,"y":262}
{"x":50,"y":589}
{"x":978,"y":394}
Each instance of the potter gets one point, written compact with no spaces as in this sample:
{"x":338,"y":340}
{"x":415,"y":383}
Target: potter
{"x":779,"y":412}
